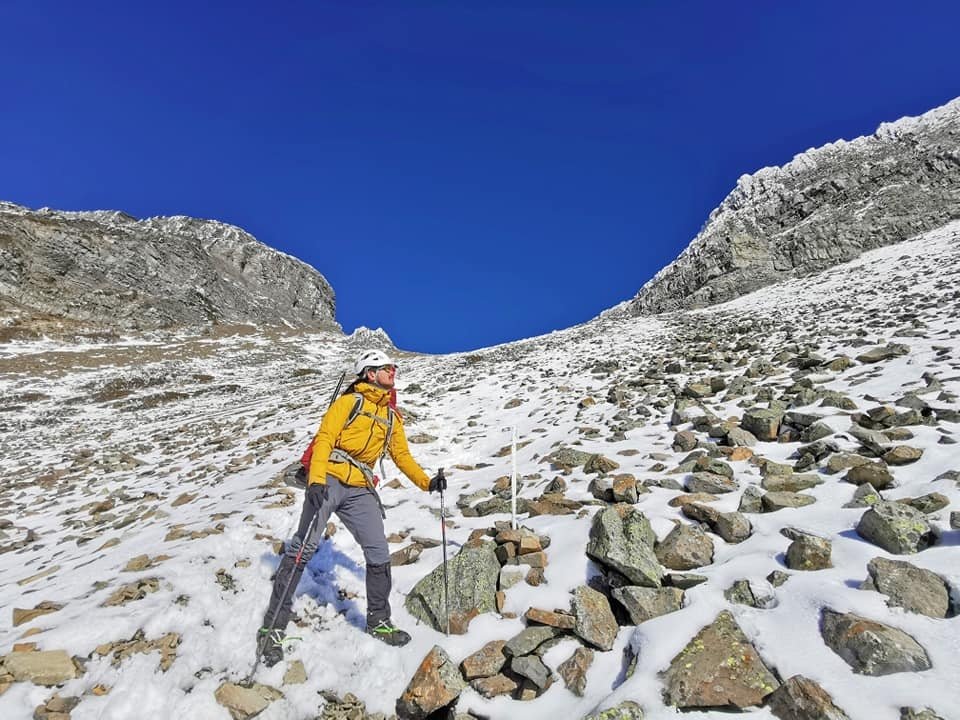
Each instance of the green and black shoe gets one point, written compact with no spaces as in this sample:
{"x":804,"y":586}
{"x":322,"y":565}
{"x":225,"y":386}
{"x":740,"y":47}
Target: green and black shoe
{"x":386,"y":632}
{"x":270,"y":645}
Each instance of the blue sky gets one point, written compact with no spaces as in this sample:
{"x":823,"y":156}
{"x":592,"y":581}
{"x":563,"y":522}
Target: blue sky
{"x":463,"y":174}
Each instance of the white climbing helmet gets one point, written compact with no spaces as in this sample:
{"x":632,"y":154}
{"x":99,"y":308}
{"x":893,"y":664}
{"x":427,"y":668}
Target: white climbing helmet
{"x":372,"y":358}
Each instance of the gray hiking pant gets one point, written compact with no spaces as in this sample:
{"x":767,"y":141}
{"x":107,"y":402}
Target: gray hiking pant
{"x":359,"y":511}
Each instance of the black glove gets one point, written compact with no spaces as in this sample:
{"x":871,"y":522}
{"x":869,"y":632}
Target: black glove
{"x":438,"y":482}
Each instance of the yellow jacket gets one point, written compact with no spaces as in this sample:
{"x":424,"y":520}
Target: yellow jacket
{"x":363,"y":439}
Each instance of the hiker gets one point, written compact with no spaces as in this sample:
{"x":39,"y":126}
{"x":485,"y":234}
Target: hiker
{"x":358,"y":429}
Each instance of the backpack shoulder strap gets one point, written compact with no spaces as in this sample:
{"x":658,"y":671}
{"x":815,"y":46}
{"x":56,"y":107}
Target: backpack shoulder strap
{"x":355,"y":410}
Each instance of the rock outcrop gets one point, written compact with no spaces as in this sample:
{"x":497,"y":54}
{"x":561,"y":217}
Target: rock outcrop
{"x":111,"y":270}
{"x":825,"y":207}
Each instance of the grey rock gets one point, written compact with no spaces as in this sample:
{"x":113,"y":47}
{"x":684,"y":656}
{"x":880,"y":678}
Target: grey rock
{"x":874,"y":473}
{"x":809,"y":552}
{"x":710,"y":483}
{"x":791,"y":483}
{"x":800,"y":698}
{"x":733,"y":527}
{"x":740,"y":593}
{"x":643,"y":604}
{"x":914,"y":589}
{"x":844,"y":461}
{"x":739,"y":437}
{"x":864,"y":496}
{"x":529,"y":639}
{"x":908,"y":713}
{"x":594,"y":620}
{"x":532,"y":668}
{"x":621,"y":539}
{"x":763,"y":423}
{"x":568,"y":457}
{"x":684,"y":581}
{"x":684,"y":548}
{"x":927,"y":504}
{"x":896,"y":527}
{"x":884,"y":352}
{"x":473,"y":573}
{"x":870,"y":647}
{"x":817,"y":431}
{"x":112,"y":270}
{"x":773,"y":501}
{"x":750,"y":501}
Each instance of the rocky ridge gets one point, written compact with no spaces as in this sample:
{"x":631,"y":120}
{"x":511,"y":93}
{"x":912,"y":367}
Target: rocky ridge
{"x":823,"y":208}
{"x":111,"y":271}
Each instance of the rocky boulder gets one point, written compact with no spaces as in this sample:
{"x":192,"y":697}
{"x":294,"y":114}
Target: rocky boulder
{"x":896,"y":527}
{"x":719,"y":668}
{"x":907,"y":586}
{"x":621,"y":538}
{"x":435,"y":684}
{"x":870,"y":647}
{"x":473,"y":574}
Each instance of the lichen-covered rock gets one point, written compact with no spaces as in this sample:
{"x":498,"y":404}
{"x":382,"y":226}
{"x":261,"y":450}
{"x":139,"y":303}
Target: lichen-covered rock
{"x":870,"y":647}
{"x":800,"y":698}
{"x":718,"y":668}
{"x":914,"y":589}
{"x":486,"y":662}
{"x":773,"y":501}
{"x":627,"y":710}
{"x":621,"y":538}
{"x":593,"y":618}
{"x":574,"y":669}
{"x":435,"y":684}
{"x":473,"y":573}
{"x":809,"y":552}
{"x":684,"y":548}
{"x":896,"y":527}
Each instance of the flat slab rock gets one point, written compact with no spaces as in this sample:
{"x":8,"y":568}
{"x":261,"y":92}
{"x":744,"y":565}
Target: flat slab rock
{"x":246,"y":702}
{"x":719,"y":668}
{"x":51,"y":667}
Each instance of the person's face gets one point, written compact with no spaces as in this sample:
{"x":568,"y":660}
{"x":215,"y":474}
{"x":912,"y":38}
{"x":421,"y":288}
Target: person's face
{"x":384,"y":376}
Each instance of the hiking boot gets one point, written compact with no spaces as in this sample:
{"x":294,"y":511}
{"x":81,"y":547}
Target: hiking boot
{"x":270,"y":645}
{"x":385,"y":631}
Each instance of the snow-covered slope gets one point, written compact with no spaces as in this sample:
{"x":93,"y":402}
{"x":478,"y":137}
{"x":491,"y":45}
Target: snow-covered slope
{"x":171,"y":447}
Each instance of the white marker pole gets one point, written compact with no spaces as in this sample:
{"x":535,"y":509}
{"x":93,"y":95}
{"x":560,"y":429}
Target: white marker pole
{"x":513,"y":480}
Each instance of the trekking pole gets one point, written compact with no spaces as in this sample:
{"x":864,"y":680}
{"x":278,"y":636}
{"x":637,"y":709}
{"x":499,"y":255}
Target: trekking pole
{"x":286,"y":589}
{"x":443,"y":533}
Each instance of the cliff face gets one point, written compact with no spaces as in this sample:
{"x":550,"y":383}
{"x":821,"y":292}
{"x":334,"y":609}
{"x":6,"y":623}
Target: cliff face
{"x":109,"y":269}
{"x":825,"y":207}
